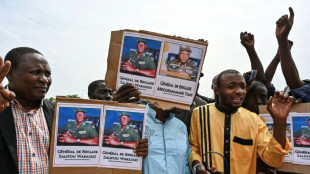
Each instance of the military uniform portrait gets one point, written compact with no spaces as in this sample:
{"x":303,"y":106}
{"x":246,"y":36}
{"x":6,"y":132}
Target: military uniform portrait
{"x":180,"y":61}
{"x":78,"y":126}
{"x":122,"y":129}
{"x":140,"y":56}
{"x":301,"y":131}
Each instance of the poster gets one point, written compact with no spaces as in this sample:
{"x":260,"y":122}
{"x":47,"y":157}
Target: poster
{"x":160,"y":67}
{"x":269,"y":122}
{"x":77,"y":134}
{"x":123,"y":127}
{"x":301,"y":138}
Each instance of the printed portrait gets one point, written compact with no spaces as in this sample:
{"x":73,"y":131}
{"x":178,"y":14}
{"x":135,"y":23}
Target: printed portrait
{"x":122,"y":129}
{"x":78,"y":126}
{"x":140,"y":56}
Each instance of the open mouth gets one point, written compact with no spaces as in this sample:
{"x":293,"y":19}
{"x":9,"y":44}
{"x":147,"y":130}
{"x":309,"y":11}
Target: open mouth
{"x":238,"y":100}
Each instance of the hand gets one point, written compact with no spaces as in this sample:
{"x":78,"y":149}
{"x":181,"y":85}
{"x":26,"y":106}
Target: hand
{"x":301,"y":141}
{"x":66,"y":138}
{"x":126,"y":94}
{"x":127,"y":66}
{"x":279,"y":106}
{"x":111,"y":139}
{"x":202,"y":170}
{"x":142,"y":148}
{"x":247,"y":39}
{"x":5,"y":95}
{"x":284,"y":25}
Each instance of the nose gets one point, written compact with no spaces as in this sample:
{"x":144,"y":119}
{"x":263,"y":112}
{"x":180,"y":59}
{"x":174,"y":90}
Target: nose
{"x":240,"y":90}
{"x":43,"y":78}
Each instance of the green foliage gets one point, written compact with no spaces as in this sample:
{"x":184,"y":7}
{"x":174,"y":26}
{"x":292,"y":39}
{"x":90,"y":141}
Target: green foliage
{"x":53,"y":99}
{"x":73,"y":96}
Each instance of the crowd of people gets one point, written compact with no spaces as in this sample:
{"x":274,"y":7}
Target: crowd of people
{"x":223,"y":134}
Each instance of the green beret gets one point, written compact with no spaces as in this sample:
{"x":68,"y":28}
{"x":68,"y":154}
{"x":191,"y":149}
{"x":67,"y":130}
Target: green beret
{"x":124,"y":113}
{"x":80,"y":110}
{"x":141,"y":40}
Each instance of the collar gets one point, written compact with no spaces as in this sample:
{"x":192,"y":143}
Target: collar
{"x":217,"y":105}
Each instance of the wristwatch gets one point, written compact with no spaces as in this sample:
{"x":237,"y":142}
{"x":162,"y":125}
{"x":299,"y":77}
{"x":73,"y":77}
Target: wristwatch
{"x":196,"y":166}
{"x":137,"y":70}
{"x":78,"y":140}
{"x":122,"y":143}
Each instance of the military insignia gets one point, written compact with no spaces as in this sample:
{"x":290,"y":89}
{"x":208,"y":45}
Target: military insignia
{"x":82,"y":132}
{"x":152,"y":58}
{"x":125,"y":135}
{"x":93,"y":126}
{"x":141,"y":62}
{"x":136,"y":130}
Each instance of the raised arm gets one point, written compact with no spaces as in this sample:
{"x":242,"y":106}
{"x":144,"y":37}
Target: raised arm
{"x":5,"y":95}
{"x":247,"y":40}
{"x":289,"y":69}
{"x":272,"y":67}
{"x":279,"y":107}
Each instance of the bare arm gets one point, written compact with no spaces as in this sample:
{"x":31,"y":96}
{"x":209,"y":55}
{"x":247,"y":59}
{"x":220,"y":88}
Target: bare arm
{"x":279,"y":107}
{"x":289,"y":69}
{"x":5,"y":95}
{"x":272,"y":67}
{"x":247,"y":40}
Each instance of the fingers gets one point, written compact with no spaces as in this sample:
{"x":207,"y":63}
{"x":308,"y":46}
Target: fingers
{"x":9,"y":95}
{"x":292,"y":14}
{"x":127,"y":93}
{"x":142,"y":148}
{"x":123,"y":87}
{"x":4,"y":68}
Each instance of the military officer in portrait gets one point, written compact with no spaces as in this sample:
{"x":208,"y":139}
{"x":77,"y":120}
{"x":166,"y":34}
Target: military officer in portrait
{"x":182,"y":64}
{"x":139,"y":60}
{"x":302,"y":136}
{"x":122,"y":134}
{"x":78,"y":131}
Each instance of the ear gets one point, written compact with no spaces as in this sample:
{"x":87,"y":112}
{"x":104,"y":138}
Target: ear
{"x":10,"y":75}
{"x":217,"y":90}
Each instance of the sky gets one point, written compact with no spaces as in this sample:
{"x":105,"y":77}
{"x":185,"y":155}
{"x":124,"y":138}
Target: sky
{"x":74,"y":35}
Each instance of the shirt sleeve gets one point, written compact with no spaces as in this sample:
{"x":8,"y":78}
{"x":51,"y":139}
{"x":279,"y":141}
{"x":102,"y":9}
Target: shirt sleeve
{"x":269,"y":149}
{"x":151,"y":64}
{"x":93,"y":132}
{"x":63,"y":128}
{"x":136,"y":136}
{"x":302,"y":93}
{"x":194,"y":138}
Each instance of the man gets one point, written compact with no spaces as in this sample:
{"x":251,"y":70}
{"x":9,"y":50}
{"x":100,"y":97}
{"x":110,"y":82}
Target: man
{"x":183,"y":65}
{"x":122,"y":134}
{"x":227,"y":137}
{"x":98,"y":90}
{"x":169,"y":148}
{"x":26,"y":126}
{"x":302,"y":136}
{"x":139,"y":60}
{"x":79,"y":131}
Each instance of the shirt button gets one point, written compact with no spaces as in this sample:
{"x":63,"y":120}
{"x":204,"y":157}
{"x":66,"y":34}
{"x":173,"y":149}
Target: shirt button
{"x":227,"y":116}
{"x":226,"y":152}
{"x":227,"y":129}
{"x":33,"y":154}
{"x":226,"y":141}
